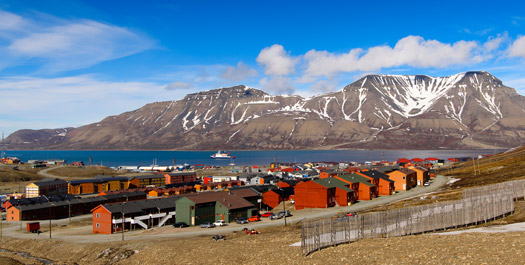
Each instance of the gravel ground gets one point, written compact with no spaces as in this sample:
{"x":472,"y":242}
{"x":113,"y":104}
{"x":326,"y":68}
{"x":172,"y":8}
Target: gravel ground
{"x":272,"y":247}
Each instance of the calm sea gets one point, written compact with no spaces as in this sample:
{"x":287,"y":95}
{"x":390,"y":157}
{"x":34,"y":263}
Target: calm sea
{"x":146,"y":158}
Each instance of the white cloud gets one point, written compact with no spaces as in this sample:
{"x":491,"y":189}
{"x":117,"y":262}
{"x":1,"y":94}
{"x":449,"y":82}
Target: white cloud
{"x":239,"y":73}
{"x":411,"y":51}
{"x":494,"y":43}
{"x":178,"y":85}
{"x":277,"y":85}
{"x":517,"y":49}
{"x":276,"y":60}
{"x":72,"y":101}
{"x":10,"y":21}
{"x":65,"y":45}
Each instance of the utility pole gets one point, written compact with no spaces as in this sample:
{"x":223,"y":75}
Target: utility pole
{"x":50,"y":222}
{"x":122,"y":205}
{"x":284,"y":209}
{"x":69,"y":202}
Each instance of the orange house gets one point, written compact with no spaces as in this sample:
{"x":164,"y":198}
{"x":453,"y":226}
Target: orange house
{"x":384,"y":185}
{"x":344,"y":195}
{"x":102,"y":219}
{"x":328,"y":174}
{"x":286,"y":183}
{"x":404,"y":179}
{"x":274,"y":197}
{"x":365,"y":190}
{"x":311,"y":194}
{"x":422,"y":174}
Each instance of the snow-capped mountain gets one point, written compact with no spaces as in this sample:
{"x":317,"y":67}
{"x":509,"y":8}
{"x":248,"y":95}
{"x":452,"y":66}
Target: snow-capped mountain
{"x":466,"y":110}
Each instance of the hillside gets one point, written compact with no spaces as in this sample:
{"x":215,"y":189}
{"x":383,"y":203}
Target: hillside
{"x":464,"y":111}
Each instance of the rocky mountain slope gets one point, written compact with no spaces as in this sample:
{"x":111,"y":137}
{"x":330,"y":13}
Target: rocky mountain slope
{"x":466,"y":110}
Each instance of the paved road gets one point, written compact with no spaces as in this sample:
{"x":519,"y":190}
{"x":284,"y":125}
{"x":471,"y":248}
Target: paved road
{"x":83,"y":233}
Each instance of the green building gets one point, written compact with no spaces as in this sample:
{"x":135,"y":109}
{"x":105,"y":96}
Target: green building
{"x":213,"y":206}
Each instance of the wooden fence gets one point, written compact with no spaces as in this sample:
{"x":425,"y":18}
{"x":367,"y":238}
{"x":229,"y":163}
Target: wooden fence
{"x":408,"y":221}
{"x":515,"y":187}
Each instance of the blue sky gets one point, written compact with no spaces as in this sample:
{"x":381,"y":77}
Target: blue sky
{"x":70,"y":63}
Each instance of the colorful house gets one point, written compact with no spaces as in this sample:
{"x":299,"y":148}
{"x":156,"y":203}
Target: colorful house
{"x":385,"y":186}
{"x":404,"y":178}
{"x":422,"y":175}
{"x":46,"y":187}
{"x":213,"y":206}
{"x":111,"y":218}
{"x":322,"y":193}
{"x":365,"y":189}
{"x":274,"y":197}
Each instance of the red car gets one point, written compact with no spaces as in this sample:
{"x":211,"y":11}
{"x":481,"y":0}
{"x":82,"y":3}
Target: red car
{"x":254,"y":218}
{"x":267,"y":214}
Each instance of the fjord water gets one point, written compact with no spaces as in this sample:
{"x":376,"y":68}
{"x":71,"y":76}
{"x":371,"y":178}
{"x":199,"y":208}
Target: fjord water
{"x":146,"y":158}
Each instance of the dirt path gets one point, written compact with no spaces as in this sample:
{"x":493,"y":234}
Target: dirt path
{"x":44,"y":173}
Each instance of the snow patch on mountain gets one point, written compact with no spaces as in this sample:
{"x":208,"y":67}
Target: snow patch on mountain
{"x":413,"y":95}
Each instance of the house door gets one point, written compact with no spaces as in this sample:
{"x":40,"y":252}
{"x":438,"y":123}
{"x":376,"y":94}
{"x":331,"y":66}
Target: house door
{"x":419,"y":182}
{"x":404,"y":186}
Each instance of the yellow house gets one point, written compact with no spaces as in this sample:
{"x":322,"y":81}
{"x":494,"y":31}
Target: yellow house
{"x":31,"y":190}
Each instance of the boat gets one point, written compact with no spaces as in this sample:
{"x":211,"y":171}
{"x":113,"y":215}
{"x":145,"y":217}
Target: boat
{"x":222,"y":155}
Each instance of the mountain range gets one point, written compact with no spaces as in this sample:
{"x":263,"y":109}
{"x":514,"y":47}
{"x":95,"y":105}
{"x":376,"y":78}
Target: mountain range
{"x":464,"y":111}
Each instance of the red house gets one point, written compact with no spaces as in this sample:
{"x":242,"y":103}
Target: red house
{"x":322,"y":193}
{"x":274,"y":197}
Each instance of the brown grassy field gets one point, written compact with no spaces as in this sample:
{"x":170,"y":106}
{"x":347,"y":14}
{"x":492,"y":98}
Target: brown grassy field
{"x":84,"y":171}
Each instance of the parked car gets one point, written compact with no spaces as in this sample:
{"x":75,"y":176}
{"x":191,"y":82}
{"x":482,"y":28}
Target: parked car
{"x":254,"y":218}
{"x":426,"y":184}
{"x":267,"y":214}
{"x":276,"y":216}
{"x":207,"y":225}
{"x":220,"y":223}
{"x":241,"y":221}
{"x":180,"y":225}
{"x":285,"y":213}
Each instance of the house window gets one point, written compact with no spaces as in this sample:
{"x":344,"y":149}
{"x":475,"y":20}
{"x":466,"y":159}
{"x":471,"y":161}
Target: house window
{"x":403,"y":177}
{"x":98,"y":216}
{"x":98,"y":225}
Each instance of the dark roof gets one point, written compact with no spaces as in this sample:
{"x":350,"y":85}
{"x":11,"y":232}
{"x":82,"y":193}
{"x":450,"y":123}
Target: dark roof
{"x":226,"y":198}
{"x":284,"y":191}
{"x":354,"y":178}
{"x":291,"y":182}
{"x":406,"y":171}
{"x":333,"y":183}
{"x":148,"y":177}
{"x":26,"y":201}
{"x":245,"y":192}
{"x":47,"y":182}
{"x":377,"y":175}
{"x":257,"y":188}
{"x":124,"y":194}
{"x":387,"y":169}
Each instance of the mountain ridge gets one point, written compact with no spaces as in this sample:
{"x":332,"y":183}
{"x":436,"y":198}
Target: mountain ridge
{"x":462,"y":111}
